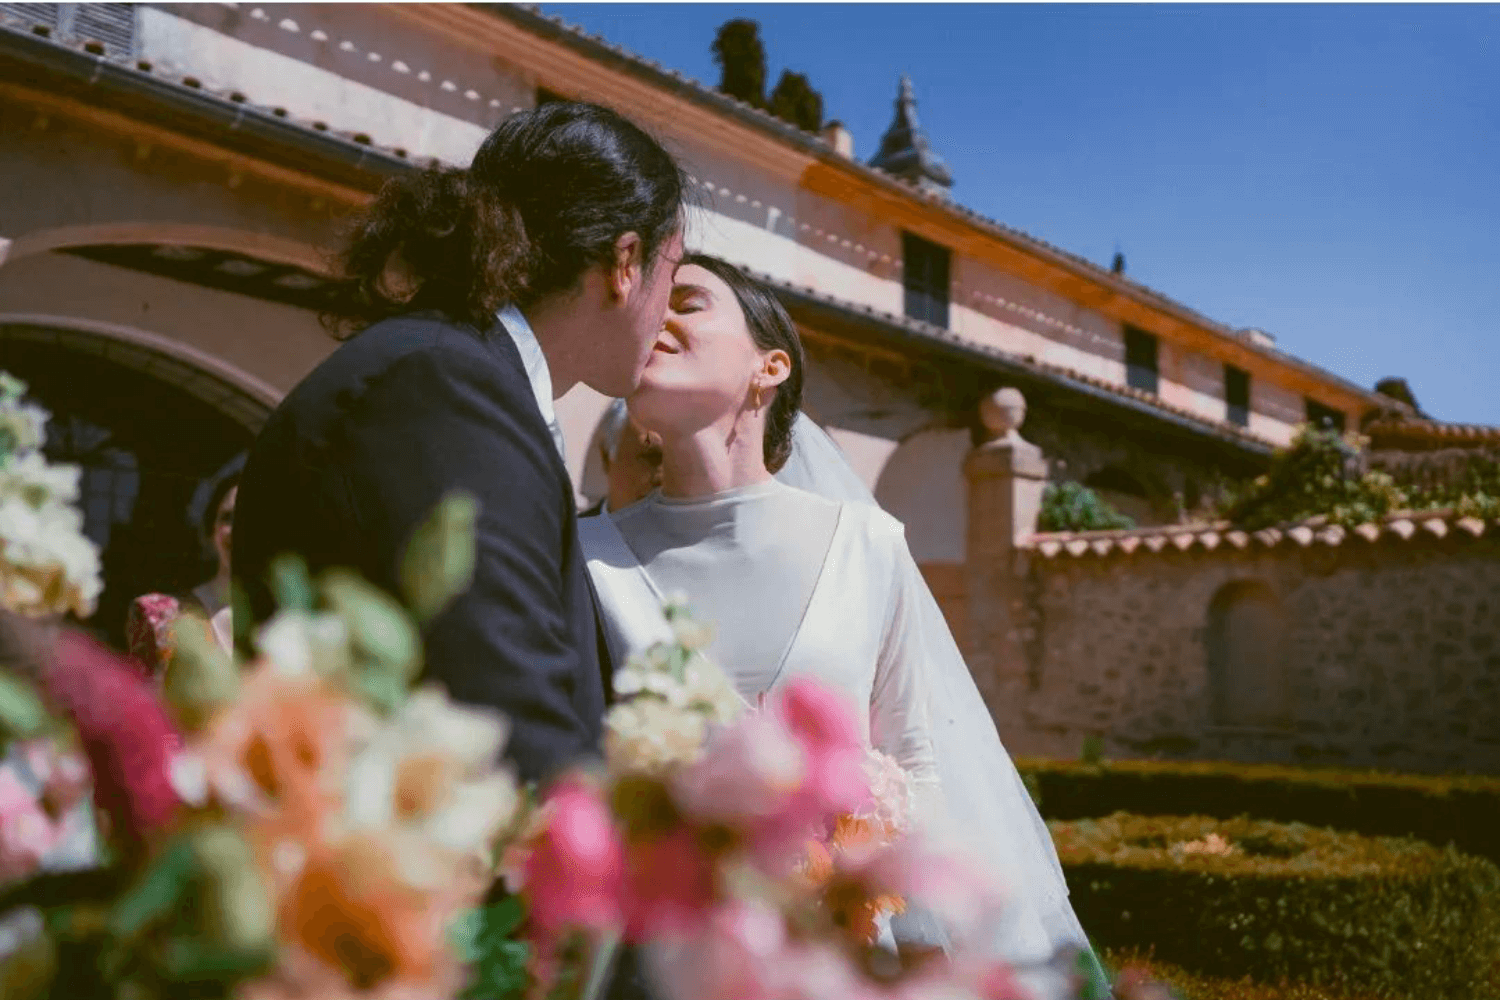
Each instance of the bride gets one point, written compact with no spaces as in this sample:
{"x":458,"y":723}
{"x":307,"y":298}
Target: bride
{"x":813,"y":582}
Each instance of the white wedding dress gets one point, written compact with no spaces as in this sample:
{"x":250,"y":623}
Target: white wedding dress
{"x":822,"y":585}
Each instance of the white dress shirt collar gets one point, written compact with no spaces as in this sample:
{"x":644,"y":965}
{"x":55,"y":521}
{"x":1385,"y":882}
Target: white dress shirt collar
{"x":537,"y":372}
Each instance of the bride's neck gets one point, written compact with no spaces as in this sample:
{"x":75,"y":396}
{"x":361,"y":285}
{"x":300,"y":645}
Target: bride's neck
{"x":711,"y":461}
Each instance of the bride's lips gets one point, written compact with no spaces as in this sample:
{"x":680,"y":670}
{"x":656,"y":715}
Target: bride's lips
{"x":665,"y":347}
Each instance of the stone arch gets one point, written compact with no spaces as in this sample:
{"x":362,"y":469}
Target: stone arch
{"x":237,"y":394}
{"x":150,"y":423}
{"x":1247,"y":673}
{"x":263,"y":246}
{"x":922,"y":485}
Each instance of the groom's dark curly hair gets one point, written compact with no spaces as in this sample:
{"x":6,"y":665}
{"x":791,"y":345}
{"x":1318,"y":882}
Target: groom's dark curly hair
{"x":545,"y":199}
{"x":771,"y":329}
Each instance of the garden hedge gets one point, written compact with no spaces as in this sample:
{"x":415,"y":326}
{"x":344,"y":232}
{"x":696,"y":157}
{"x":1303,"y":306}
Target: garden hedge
{"x":1372,"y":916}
{"x":1461,"y":810}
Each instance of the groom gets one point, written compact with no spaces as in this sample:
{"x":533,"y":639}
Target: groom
{"x":492,"y":291}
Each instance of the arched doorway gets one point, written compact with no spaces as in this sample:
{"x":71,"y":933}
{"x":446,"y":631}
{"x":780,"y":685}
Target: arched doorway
{"x":149,"y":433}
{"x":1246,"y":669}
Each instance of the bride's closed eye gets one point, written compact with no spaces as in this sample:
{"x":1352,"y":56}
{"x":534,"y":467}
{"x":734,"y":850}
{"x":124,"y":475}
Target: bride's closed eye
{"x":689,"y":299}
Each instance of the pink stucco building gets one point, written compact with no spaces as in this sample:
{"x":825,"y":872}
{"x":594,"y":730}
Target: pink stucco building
{"x":173,"y":175}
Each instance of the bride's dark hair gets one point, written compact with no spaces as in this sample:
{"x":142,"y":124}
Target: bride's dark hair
{"x":771,"y":329}
{"x":545,"y":198}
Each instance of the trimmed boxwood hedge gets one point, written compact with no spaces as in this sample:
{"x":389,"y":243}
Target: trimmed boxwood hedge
{"x":1461,"y":810}
{"x":1388,"y":917}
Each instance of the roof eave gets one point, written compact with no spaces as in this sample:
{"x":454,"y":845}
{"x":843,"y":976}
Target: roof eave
{"x":531,"y":19}
{"x":924,"y":339}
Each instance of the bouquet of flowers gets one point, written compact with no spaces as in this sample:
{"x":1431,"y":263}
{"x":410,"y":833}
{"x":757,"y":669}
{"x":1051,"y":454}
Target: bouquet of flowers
{"x":749,"y":854}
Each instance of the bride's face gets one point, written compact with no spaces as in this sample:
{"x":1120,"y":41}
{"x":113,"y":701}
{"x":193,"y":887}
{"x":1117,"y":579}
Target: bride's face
{"x":702,"y":364}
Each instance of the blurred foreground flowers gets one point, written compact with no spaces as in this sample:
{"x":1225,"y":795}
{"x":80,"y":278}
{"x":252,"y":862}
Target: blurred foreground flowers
{"x":310,"y":821}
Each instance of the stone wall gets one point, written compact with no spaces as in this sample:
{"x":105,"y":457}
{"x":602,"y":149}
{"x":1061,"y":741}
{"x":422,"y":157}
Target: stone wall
{"x":1383,"y":653}
{"x":1377,"y":646}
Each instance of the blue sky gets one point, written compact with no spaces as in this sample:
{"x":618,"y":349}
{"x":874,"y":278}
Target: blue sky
{"x":1330,"y":174}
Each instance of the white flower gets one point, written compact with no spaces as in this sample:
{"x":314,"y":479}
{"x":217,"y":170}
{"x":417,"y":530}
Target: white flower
{"x":299,"y":643}
{"x":433,"y":771}
{"x":48,"y":565}
{"x":690,"y":634}
{"x":648,"y":735}
{"x":22,"y":428}
{"x":33,"y":478}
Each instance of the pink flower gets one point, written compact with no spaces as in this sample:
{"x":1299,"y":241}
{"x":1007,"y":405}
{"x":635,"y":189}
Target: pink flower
{"x":26,"y":832}
{"x":944,"y":881}
{"x":737,"y":953}
{"x":835,"y":778}
{"x":575,"y":872}
{"x":748,"y":773}
{"x":999,"y":982}
{"x":126,"y":734}
{"x":669,"y":885}
{"x":820,"y":716}
{"x":64,"y":776}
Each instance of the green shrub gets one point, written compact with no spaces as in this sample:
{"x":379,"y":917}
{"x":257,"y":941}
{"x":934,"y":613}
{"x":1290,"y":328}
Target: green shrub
{"x":1461,"y":810}
{"x":1074,"y":507}
{"x":1187,"y":985}
{"x":1395,"y":918}
{"x":1318,"y":476}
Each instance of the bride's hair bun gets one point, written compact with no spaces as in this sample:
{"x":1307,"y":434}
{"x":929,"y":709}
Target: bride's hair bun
{"x":545,"y":198}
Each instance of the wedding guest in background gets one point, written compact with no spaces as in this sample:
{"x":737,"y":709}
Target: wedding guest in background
{"x":631,"y":457}
{"x":148,"y":623}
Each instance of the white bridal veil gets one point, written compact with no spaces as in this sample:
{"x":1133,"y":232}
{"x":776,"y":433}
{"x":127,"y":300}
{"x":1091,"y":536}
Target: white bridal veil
{"x":988,"y":805}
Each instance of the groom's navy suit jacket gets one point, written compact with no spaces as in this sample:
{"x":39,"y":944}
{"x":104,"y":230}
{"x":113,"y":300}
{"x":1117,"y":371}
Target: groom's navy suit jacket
{"x":360,"y":453}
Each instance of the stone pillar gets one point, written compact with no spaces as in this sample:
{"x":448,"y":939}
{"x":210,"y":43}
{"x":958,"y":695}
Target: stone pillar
{"x":1005,"y":477}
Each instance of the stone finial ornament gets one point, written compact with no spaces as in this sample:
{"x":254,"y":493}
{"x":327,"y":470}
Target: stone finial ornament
{"x":1003,"y":412}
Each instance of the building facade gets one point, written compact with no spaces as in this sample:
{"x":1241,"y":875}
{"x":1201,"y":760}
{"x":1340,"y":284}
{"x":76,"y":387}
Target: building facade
{"x":172,"y":178}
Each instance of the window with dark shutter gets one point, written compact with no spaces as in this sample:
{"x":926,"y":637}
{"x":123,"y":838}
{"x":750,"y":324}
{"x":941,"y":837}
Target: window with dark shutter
{"x":106,"y":28}
{"x":1324,"y":418}
{"x":1140,"y":359}
{"x":1237,"y":395}
{"x":109,"y":25}
{"x":925,"y":268}
{"x":30,"y":15}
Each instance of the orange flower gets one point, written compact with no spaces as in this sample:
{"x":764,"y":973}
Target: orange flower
{"x":350,"y":910}
{"x":852,"y":832}
{"x":817,"y":864}
{"x":280,"y":753}
{"x":855,"y":911}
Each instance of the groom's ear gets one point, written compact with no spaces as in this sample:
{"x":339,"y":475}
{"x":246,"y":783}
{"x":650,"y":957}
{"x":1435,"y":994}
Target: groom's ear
{"x":775,"y":368}
{"x":628,"y":266}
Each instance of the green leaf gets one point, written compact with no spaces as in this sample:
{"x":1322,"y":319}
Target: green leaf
{"x":22,"y":713}
{"x":154,"y":898}
{"x":290,"y":583}
{"x":483,"y":939}
{"x":384,"y":645}
{"x":200,"y":677}
{"x":237,"y":911}
{"x":196,"y":961}
{"x":439,"y":563}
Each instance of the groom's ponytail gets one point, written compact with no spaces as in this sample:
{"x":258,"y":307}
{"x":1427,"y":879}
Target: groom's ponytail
{"x":546,"y":197}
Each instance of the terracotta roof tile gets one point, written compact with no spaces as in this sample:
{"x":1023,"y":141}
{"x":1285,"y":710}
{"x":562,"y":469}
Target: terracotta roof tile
{"x":1401,"y":525}
{"x":1397,"y":431}
{"x":929,"y":332}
